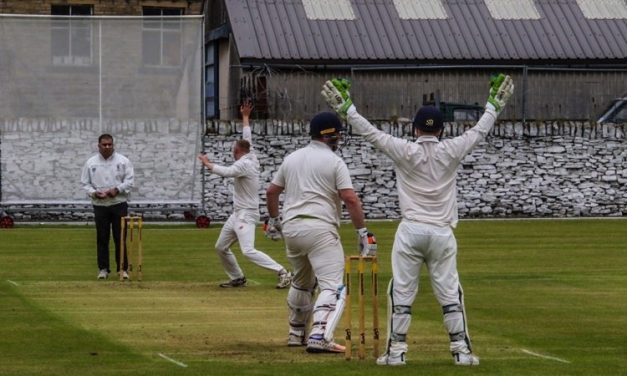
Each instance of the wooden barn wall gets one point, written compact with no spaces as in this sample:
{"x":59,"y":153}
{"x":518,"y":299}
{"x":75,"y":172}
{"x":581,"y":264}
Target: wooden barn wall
{"x":385,"y":95}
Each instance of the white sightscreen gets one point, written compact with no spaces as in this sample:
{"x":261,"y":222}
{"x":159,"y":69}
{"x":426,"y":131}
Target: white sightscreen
{"x":64,"y":81}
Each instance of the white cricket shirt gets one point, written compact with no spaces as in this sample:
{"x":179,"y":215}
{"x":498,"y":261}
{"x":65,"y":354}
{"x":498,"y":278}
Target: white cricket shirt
{"x":245,"y":174}
{"x":101,"y":174}
{"x":311,"y":178}
{"x":426,"y":170}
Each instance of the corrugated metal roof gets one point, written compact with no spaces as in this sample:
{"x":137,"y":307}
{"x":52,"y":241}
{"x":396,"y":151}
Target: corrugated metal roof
{"x":279,"y":30}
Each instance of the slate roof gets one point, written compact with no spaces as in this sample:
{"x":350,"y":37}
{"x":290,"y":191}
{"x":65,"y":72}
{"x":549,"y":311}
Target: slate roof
{"x":280,"y":31}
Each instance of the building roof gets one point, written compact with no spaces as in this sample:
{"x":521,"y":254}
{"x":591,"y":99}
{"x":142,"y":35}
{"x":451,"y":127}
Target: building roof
{"x":428,"y":31}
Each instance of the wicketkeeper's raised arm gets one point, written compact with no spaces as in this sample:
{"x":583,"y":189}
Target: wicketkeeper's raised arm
{"x":501,"y":89}
{"x":336,"y":94}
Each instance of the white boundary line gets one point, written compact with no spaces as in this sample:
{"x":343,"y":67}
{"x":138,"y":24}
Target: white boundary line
{"x":545,"y":356}
{"x":180,"y":364}
{"x":13,"y":283}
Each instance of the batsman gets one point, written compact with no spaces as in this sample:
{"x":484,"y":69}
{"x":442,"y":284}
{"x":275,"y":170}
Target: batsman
{"x":426,"y":172}
{"x":315,"y":181}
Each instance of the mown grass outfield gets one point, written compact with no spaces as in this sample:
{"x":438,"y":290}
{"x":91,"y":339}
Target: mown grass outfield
{"x":542,"y":297}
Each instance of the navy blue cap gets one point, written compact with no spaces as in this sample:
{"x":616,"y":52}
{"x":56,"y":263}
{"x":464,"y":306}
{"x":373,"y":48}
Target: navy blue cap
{"x":325,"y":123}
{"x":428,"y":119}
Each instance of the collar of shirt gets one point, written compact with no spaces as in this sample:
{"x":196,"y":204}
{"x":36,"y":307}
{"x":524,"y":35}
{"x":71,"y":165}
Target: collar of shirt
{"x":319,"y":144}
{"x":422,"y":139}
{"x":106,"y":159}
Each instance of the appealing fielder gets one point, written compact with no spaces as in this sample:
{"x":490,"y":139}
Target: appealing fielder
{"x":426,"y":173}
{"x":241,"y":224}
{"x":315,"y":179}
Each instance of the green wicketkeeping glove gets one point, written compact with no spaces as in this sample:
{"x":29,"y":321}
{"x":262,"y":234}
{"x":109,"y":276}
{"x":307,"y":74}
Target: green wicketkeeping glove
{"x":501,"y":88}
{"x":336,"y":93}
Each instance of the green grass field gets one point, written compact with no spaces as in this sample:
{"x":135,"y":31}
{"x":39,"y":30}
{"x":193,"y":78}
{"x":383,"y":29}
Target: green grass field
{"x":542,"y":298}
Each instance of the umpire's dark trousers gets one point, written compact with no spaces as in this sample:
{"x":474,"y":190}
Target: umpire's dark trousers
{"x":108,"y":218}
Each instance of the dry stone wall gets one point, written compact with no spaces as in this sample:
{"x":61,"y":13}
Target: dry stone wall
{"x":551,"y":169}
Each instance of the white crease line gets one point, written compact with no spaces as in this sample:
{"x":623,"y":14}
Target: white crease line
{"x":13,"y":283}
{"x":545,"y":356}
{"x":172,"y":360}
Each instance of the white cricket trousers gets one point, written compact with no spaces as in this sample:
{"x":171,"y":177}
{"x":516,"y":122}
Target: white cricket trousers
{"x":241,"y":227}
{"x":436,"y":247}
{"x":315,"y":252}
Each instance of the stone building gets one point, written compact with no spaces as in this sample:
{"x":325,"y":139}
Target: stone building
{"x":102,"y":7}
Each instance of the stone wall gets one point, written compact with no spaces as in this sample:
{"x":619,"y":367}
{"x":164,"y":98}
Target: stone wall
{"x":41,"y":162}
{"x":551,"y":169}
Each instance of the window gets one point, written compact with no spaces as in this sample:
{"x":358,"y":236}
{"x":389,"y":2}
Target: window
{"x":161,"y":45}
{"x":513,"y":9}
{"x":616,"y":112}
{"x":603,"y":9}
{"x":211,"y":80}
{"x":329,"y":9}
{"x":71,"y":38}
{"x":466,"y":114}
{"x":420,"y":9}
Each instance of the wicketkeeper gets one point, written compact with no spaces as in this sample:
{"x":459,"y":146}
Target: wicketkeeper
{"x":426,"y":172}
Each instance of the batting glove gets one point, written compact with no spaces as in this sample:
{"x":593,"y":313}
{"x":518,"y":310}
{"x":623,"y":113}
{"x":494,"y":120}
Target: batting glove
{"x":273,"y":228}
{"x":501,"y":88}
{"x":367,"y":242}
{"x":335,"y":93}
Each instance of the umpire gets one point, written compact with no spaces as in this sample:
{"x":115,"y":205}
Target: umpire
{"x":107,"y":178}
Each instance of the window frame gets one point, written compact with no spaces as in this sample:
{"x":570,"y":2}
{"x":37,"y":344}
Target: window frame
{"x":67,"y":24}
{"x":158,"y":23}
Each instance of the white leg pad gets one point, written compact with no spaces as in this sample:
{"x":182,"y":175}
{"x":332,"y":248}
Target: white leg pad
{"x":300,"y":303}
{"x":334,"y":316}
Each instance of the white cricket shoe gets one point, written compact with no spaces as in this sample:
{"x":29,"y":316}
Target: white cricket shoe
{"x":294,"y":340}
{"x":465,"y":359}
{"x":395,"y":355}
{"x":124,"y":274}
{"x":320,"y":345}
{"x":285,"y":278}
{"x":103,"y":274}
{"x":391,"y":360}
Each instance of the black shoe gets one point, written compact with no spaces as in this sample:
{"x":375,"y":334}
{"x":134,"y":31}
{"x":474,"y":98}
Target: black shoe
{"x":237,"y":282}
